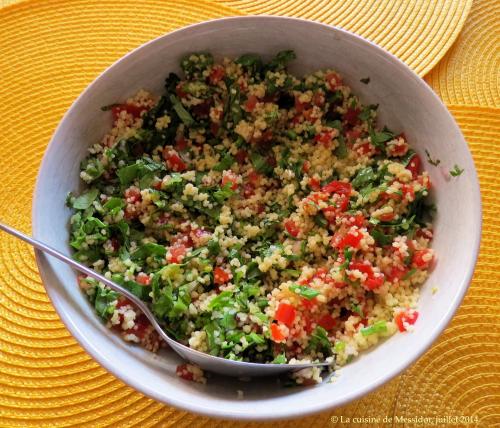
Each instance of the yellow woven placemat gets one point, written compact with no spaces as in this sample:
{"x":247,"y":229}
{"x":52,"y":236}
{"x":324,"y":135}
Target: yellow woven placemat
{"x":417,"y":31}
{"x":49,"y":51}
{"x":470,"y":72}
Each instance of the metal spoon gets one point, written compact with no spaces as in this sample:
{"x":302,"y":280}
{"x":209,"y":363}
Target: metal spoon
{"x":205,"y":361}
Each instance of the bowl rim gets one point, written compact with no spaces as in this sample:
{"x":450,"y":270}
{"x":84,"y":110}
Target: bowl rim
{"x":312,"y":408}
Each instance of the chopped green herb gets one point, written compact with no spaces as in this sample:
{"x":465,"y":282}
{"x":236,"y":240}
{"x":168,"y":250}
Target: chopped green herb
{"x":456,"y":171}
{"x":434,"y":162}
{"x":377,"y":327}
{"x":306,"y":292}
{"x":85,"y":200}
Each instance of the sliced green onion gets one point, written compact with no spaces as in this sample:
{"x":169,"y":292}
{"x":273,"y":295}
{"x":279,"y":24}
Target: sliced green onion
{"x":378,"y":327}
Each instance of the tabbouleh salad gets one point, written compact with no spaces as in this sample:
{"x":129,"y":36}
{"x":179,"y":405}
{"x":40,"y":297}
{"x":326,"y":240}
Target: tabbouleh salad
{"x":263,"y":217}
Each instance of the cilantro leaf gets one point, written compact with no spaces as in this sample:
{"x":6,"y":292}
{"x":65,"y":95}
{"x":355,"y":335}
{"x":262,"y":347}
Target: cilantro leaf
{"x":223,"y":193}
{"x":85,"y":200}
{"x":225,"y":163}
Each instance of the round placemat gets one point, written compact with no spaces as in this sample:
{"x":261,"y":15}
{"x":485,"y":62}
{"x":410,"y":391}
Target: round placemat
{"x":417,"y":31}
{"x":470,"y":72}
{"x":49,"y":51}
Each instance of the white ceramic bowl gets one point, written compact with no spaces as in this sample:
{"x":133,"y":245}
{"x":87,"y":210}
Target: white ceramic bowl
{"x":406,"y":104}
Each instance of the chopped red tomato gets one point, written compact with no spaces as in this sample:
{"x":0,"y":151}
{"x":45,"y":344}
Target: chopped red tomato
{"x":131,"y":109}
{"x":202,"y":110}
{"x":308,"y":304}
{"x":216,"y":75}
{"x":248,"y":190}
{"x":331,"y":212}
{"x":365,"y":148}
{"x":321,"y":272}
{"x":130,"y":212}
{"x":306,"y":166}
{"x":276,"y":333}
{"x":355,"y":220}
{"x":424,"y":181}
{"x":351,"y":116}
{"x":396,"y":273}
{"x":318,"y":99}
{"x":285,"y":314}
{"x":177,"y":253}
{"x":180,"y":143}
{"x":363,"y":322}
{"x":398,"y":149}
{"x":220,"y":276}
{"x":174,"y":162}
{"x":387,"y":217}
{"x":338,"y":187}
{"x":341,"y":203}
{"x":362,"y":267}
{"x":291,"y":228}
{"x":414,"y":165}
{"x":314,"y":184}
{"x":309,"y":115}
{"x":327,"y":322}
{"x":375,"y":282}
{"x":123,"y":301}
{"x":422,"y":258}
{"x":254,"y":177}
{"x":352,"y":238}
{"x":141,"y":326}
{"x":214,"y":128}
{"x":183,"y":238}
{"x":408,"y":192}
{"x":324,"y":137}
{"x":230,"y":177}
{"x":250,"y":103}
{"x":372,"y":282}
{"x":407,"y":317}
{"x":179,"y":90}
{"x":133,"y":195}
{"x":353,"y":134}
{"x":183,"y":372}
{"x":424,"y":233}
{"x":80,"y":279}
{"x":240,"y":156}
{"x":115,"y":244}
{"x":317,"y":196}
{"x":143,"y":278}
{"x":386,"y":196}
{"x":307,"y":325}
{"x":266,"y":136}
{"x":300,"y":106}
{"x":333,"y":81}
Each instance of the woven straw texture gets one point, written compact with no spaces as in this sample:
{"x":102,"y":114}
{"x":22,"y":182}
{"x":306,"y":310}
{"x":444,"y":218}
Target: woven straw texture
{"x":470,"y":72}
{"x":49,"y":52}
{"x":417,"y":31}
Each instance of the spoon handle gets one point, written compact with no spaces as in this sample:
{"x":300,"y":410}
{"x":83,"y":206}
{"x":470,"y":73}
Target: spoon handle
{"x":87,"y":271}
